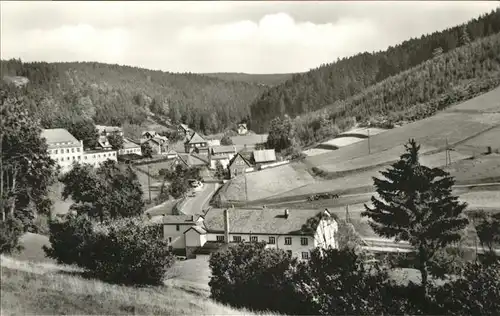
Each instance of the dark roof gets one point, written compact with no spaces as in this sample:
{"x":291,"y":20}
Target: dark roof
{"x":264,"y":155}
{"x":198,"y":229}
{"x":236,"y":157}
{"x":259,"y":221}
{"x":127,"y":143}
{"x":180,"y":219}
{"x":196,"y":138}
{"x":223,"y":149}
{"x":191,"y":160}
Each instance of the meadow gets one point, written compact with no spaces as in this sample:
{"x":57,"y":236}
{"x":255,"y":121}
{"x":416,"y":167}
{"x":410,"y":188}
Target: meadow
{"x":475,"y":122}
{"x":47,"y":289}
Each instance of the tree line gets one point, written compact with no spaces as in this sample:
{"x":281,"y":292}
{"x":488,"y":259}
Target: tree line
{"x":117,"y":95}
{"x":411,"y":95}
{"x":347,"y":77}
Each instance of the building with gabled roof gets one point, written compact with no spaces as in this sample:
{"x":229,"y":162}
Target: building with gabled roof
{"x":222,"y":154}
{"x":65,"y":150}
{"x":195,"y":142}
{"x":296,"y":231}
{"x":237,"y":165}
{"x":130,"y":147}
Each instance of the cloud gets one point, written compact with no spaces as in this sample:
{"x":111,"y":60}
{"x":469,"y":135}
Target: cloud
{"x":255,"y":37}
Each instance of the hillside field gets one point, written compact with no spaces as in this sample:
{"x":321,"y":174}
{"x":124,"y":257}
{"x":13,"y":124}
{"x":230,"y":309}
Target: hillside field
{"x":47,"y":289}
{"x":351,"y":167}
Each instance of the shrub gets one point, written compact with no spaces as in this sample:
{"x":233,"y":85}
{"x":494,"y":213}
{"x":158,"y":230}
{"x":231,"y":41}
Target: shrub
{"x":10,"y":231}
{"x":71,"y":240}
{"x":130,"y":252}
{"x":477,"y":292}
{"x":338,"y":281}
{"x":248,"y":275}
{"x":126,"y":251}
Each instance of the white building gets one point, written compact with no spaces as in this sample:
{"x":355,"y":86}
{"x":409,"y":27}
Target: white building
{"x":130,"y":147}
{"x":96,"y":157}
{"x":174,"y":227}
{"x":65,"y":149}
{"x":279,"y":228}
{"x":223,"y":154}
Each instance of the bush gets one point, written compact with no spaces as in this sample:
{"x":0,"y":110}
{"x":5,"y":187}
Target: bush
{"x":10,"y":231}
{"x":477,"y":292}
{"x":130,"y":252}
{"x":247,"y":275}
{"x":71,"y":240}
{"x":338,"y":281}
{"x":126,"y":251}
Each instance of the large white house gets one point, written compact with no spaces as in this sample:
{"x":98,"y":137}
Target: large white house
{"x":65,"y":149}
{"x":279,"y":228}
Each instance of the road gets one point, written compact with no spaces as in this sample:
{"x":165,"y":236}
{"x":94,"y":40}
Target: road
{"x":198,"y":203}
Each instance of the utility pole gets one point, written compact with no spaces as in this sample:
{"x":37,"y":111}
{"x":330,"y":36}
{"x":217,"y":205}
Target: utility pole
{"x":347,"y":213}
{"x":369,"y":147}
{"x":149,"y":183}
{"x":246,"y":187}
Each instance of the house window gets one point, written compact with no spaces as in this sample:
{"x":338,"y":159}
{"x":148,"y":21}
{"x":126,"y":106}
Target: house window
{"x":67,"y":158}
{"x":272,"y":240}
{"x":79,"y":157}
{"x":220,"y":238}
{"x":304,"y":241}
{"x":289,"y":252}
{"x":288,"y":240}
{"x":169,"y":240}
{"x":55,"y":151}
{"x":78,"y":149}
{"x":237,"y":238}
{"x":254,"y":239}
{"x":72,"y":150}
{"x":67,"y":150}
{"x":305,"y":255}
{"x":177,"y":227}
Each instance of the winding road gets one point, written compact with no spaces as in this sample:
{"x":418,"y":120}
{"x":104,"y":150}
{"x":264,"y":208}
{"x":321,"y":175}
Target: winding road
{"x":196,"y":205}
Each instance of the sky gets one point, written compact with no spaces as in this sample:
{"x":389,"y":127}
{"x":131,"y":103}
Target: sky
{"x":202,"y":37}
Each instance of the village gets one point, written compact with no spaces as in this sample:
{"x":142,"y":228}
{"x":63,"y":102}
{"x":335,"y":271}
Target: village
{"x":198,"y":228}
{"x":250,"y":159}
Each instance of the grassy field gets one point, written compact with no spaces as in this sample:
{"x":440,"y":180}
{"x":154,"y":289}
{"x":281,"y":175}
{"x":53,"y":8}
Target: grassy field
{"x":474,"y":170}
{"x":454,"y":125}
{"x":267,"y":182}
{"x":473,"y":124}
{"x":154,"y":168}
{"x":48,"y":289}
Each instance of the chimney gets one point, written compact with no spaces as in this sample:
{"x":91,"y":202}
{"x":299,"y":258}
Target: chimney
{"x":286,"y":213}
{"x":226,"y":226}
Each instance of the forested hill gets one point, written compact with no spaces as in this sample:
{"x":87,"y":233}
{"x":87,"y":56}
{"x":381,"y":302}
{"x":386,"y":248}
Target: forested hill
{"x":340,"y":80}
{"x":114,"y":95}
{"x":263,"y":79}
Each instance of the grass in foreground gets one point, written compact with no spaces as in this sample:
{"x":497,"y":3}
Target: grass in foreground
{"x":36,"y":288}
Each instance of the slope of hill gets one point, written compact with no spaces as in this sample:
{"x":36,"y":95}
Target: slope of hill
{"x":412,"y":95}
{"x":113,"y":94}
{"x":47,"y":289}
{"x":263,"y":79}
{"x":350,"y":169}
{"x":347,"y":77}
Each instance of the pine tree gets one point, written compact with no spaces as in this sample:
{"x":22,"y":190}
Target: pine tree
{"x":416,"y":205}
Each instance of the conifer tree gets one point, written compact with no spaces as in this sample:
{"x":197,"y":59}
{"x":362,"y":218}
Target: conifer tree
{"x":416,"y":205}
